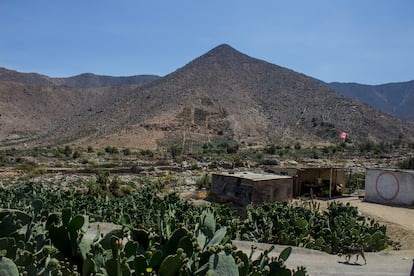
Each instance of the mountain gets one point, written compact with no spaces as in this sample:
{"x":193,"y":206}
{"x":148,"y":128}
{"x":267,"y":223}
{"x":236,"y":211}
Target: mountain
{"x":87,"y":80}
{"x":225,"y":94}
{"x":24,"y":78}
{"x":396,"y":99}
{"x":32,"y":103}
{"x":27,"y":110}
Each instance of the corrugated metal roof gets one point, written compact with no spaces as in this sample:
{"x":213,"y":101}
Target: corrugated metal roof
{"x":255,"y":176}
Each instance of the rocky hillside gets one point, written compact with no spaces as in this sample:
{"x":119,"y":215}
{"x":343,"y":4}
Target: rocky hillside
{"x":86,"y":80}
{"x":31,"y":104}
{"x":26,"y":111}
{"x":225,"y":94}
{"x":396,"y":99}
{"x":89,"y":80}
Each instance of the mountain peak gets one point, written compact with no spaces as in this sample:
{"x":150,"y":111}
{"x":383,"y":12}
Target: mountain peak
{"x":223,"y":47}
{"x":221,"y":54}
{"x":224,"y":50}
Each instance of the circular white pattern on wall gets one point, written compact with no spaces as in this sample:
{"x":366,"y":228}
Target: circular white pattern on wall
{"x":387,"y":186}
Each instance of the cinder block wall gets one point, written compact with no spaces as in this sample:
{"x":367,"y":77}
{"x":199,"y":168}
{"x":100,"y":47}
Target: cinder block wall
{"x":245,"y":191}
{"x":234,"y":189}
{"x":272,"y":190}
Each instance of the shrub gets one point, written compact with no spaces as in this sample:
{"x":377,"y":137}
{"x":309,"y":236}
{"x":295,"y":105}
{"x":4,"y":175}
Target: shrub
{"x":175,"y":150}
{"x":269,"y":162}
{"x":90,"y":149}
{"x":67,"y":151}
{"x":27,"y":167}
{"x":2,"y":159}
{"x":84,"y":161}
{"x":407,"y":164}
{"x":111,"y":150}
{"x":238,"y":161}
{"x":76,"y":154}
{"x":228,"y":147}
{"x":126,"y":152}
{"x":204,"y":181}
{"x":147,"y":152}
{"x":270,"y":149}
{"x":355,"y":181}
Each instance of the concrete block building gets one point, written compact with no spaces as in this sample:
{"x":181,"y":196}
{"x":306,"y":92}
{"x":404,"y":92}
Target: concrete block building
{"x":247,"y":187}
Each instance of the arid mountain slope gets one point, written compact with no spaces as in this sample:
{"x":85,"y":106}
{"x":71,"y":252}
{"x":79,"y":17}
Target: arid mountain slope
{"x":26,"y":110}
{"x":89,"y":80}
{"x":226,"y":94}
{"x":86,"y":80}
{"x":396,"y":99}
{"x":31,"y":103}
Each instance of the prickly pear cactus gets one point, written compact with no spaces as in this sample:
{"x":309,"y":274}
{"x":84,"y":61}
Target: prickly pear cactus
{"x":12,"y":220}
{"x":172,"y":264}
{"x":222,"y":263}
{"x":8,"y":267}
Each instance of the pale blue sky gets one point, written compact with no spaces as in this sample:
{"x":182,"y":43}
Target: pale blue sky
{"x":365,"y":41}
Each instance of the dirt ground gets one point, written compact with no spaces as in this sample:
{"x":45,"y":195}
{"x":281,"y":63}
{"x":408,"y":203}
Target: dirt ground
{"x":321,"y":263}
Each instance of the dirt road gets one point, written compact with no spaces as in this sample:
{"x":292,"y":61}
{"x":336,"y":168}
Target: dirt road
{"x":321,"y":263}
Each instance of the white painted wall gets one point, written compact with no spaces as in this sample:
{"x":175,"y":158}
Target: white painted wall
{"x":389,"y":186}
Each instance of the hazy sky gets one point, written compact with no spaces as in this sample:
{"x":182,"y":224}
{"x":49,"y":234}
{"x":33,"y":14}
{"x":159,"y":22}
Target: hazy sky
{"x":365,"y":41}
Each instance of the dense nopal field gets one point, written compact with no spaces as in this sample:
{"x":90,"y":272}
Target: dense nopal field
{"x":101,"y":227}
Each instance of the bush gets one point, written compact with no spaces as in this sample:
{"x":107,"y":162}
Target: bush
{"x":76,"y":154}
{"x":228,"y":147}
{"x":84,"y":161}
{"x":147,"y":152}
{"x":111,"y":150}
{"x":2,"y":159}
{"x":407,"y":164}
{"x":175,"y":150}
{"x":126,"y":152}
{"x":204,"y":181}
{"x":67,"y":151}
{"x":27,"y":167}
{"x":269,"y":162}
{"x":270,"y":149}
{"x":355,"y":181}
{"x":238,"y":161}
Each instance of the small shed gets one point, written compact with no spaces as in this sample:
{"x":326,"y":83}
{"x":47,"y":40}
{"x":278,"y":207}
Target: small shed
{"x":247,"y":187}
{"x":323,"y":182}
{"x":388,"y":186}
